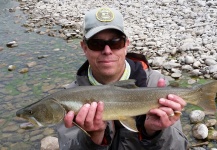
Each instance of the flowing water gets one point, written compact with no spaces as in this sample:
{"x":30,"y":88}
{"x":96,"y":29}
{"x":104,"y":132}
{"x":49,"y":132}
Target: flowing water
{"x":57,"y":65}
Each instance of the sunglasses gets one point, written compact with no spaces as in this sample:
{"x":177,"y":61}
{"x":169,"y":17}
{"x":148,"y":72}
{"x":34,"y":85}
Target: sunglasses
{"x":99,"y":44}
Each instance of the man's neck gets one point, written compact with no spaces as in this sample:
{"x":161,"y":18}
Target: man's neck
{"x":96,"y":78}
{"x":108,"y":79}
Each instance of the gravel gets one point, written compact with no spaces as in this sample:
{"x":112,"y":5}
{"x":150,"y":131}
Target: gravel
{"x":179,"y":31}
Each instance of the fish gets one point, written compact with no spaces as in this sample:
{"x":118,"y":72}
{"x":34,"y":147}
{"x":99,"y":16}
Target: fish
{"x":123,"y":101}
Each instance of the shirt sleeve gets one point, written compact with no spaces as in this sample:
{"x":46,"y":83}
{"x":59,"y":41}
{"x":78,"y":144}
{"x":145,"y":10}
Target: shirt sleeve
{"x":153,"y":76}
{"x":74,"y":138}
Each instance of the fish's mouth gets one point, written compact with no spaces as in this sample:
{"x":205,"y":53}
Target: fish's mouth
{"x":35,"y":121}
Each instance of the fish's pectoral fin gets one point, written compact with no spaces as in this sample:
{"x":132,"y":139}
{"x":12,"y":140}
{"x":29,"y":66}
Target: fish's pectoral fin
{"x":35,"y":121}
{"x":129,"y":123}
{"x":81,"y":128}
{"x":128,"y":84}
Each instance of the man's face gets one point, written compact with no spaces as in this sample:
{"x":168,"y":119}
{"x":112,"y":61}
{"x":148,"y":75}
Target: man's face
{"x":106,"y":63}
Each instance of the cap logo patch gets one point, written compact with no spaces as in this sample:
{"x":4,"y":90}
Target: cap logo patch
{"x":104,"y":15}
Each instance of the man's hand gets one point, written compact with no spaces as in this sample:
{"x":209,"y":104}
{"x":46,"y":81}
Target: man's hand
{"x":89,"y":118}
{"x":166,"y":115}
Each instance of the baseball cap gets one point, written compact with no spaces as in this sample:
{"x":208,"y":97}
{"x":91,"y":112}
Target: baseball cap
{"x":99,"y":19}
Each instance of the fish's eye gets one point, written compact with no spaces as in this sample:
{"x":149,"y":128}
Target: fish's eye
{"x":30,"y":112}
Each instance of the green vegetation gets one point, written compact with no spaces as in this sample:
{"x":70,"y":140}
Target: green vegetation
{"x":11,"y":87}
{"x":37,"y":89}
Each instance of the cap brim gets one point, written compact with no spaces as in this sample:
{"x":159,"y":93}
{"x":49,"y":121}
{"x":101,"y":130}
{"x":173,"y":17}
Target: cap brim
{"x":96,"y":30}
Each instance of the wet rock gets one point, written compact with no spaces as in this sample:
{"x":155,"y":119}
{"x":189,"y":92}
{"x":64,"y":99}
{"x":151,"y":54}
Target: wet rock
{"x":12,"y":9}
{"x":195,"y":72}
{"x":200,"y":131}
{"x":49,"y":143}
{"x":207,"y":76}
{"x":212,"y":135}
{"x":27,"y":125}
{"x":36,"y":137}
{"x":23,"y":88}
{"x":31,"y":64}
{"x":12,"y":44}
{"x":56,"y":49}
{"x":6,"y":135}
{"x":198,"y":148}
{"x":42,"y":56}
{"x":196,"y":116}
{"x":47,"y":87}
{"x":35,"y":133}
{"x":65,"y":86}
{"x":24,"y":70}
{"x":11,"y":67}
{"x":20,"y":146}
{"x":11,"y":128}
{"x":211,"y":122}
{"x":1,"y":48}
{"x":2,"y":122}
{"x":176,"y":75}
{"x":8,"y":106}
{"x":191,"y":81}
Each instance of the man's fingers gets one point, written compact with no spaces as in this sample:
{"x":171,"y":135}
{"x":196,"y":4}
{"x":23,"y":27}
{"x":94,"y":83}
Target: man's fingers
{"x":167,"y":110}
{"x":82,"y":114}
{"x":161,"y":83}
{"x":173,"y":105}
{"x":91,"y":114}
{"x":163,"y":119}
{"x":100,"y":108}
{"x":68,"y":119}
{"x":177,"y":99}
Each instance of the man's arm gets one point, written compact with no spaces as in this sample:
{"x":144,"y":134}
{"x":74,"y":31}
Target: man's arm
{"x":159,"y":126}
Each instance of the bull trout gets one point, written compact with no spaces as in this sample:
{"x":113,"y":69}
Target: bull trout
{"x":122,"y":101}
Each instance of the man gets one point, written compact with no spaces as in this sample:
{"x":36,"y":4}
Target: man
{"x":105,"y":47}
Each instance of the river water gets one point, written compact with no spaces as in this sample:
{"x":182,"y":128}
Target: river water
{"x":56,"y":67}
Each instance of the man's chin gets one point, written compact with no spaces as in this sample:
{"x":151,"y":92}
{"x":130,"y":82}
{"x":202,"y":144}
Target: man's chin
{"x":107,"y":73}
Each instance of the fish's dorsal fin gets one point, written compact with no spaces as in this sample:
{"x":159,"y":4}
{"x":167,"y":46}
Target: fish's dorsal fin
{"x":128,"y":84}
{"x":129,"y":123}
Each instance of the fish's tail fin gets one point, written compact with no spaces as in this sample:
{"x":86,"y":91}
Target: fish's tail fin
{"x":204,"y":96}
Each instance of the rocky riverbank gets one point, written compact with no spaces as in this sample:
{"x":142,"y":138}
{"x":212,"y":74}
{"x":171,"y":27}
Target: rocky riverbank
{"x":176,"y":35}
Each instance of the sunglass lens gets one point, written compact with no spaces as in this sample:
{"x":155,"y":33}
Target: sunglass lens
{"x":96,"y":44}
{"x":99,"y":44}
{"x":117,"y":43}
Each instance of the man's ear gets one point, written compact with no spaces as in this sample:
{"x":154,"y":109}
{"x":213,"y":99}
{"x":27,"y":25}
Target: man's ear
{"x":125,"y":51}
{"x":127,"y":44}
{"x":83,"y":46}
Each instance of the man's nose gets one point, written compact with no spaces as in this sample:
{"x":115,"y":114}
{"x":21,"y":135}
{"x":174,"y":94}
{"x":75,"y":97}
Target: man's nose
{"x":107,"y":50}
